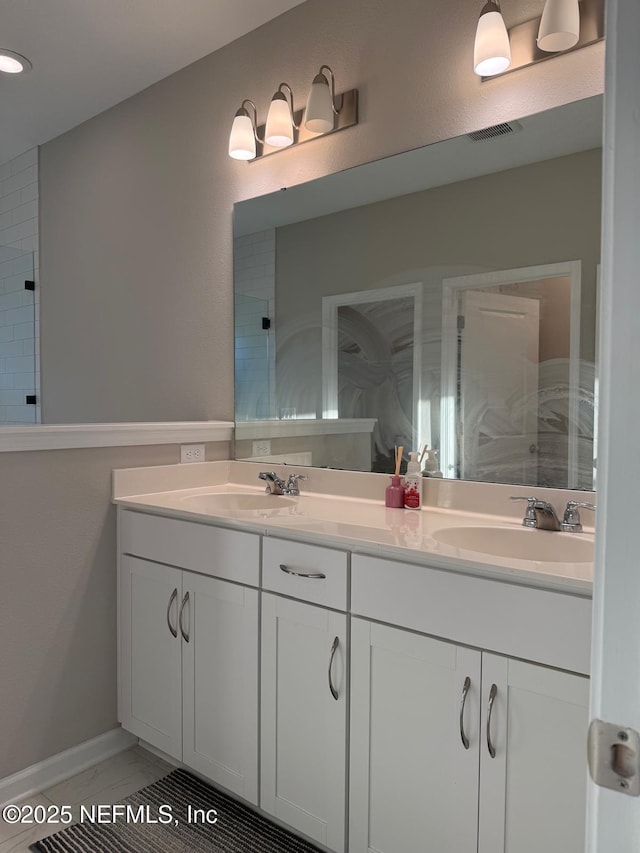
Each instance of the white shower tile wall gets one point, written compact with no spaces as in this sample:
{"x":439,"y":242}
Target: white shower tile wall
{"x":254,"y":263}
{"x":19,"y":308}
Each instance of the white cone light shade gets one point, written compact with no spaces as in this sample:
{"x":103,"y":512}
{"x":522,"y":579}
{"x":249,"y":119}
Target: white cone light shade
{"x":279,"y":129}
{"x":491,"y":52}
{"x":559,"y":25}
{"x":242,"y":142}
{"x":319,"y":115}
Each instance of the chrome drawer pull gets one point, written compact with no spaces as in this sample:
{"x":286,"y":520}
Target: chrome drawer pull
{"x":182,"y":606}
{"x":334,"y":649}
{"x":465,"y":692}
{"x":174,"y":595}
{"x":492,"y":696}
{"x":316,"y":575}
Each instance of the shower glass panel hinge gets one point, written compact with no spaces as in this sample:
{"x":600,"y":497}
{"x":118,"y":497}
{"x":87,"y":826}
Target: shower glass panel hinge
{"x":614,"y":757}
{"x":460,"y":322}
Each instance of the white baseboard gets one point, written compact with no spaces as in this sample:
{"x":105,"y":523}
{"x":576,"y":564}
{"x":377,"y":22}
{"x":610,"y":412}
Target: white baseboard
{"x":62,"y":766}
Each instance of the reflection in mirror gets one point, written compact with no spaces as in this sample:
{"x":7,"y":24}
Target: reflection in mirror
{"x":445,"y":297}
{"x":17,"y":337}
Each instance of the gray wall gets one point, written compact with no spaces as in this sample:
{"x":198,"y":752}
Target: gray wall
{"x":136,"y":204}
{"x":136,"y":273}
{"x":58,"y":596}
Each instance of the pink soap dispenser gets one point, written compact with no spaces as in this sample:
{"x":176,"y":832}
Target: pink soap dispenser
{"x":394,"y":493}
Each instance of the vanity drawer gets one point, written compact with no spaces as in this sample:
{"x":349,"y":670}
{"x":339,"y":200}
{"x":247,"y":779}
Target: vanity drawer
{"x":228,"y":554}
{"x":552,"y":628}
{"x":305,"y":561}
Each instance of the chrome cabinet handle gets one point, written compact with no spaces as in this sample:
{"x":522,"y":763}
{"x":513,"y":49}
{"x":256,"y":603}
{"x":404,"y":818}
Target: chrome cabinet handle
{"x":185,"y":637}
{"x":492,"y":696}
{"x":334,"y":649}
{"x":174,"y":595}
{"x":289,"y":571}
{"x":463,"y":702}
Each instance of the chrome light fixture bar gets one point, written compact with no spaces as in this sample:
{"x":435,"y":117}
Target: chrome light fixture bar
{"x":565,"y":26}
{"x":325,"y":113}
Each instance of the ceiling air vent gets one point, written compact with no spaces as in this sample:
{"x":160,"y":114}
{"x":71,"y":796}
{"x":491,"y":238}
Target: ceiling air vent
{"x":503,"y":129}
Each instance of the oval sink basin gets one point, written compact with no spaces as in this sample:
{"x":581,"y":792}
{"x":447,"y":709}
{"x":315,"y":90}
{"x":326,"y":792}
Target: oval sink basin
{"x":519,"y":543}
{"x":236,"y":502}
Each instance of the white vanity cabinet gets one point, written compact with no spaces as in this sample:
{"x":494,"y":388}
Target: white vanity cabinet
{"x":189,"y":646}
{"x":468,"y":695}
{"x":414,"y":786}
{"x":150,"y":671}
{"x":520,"y":786}
{"x":533,"y":790}
{"x":304,"y":689}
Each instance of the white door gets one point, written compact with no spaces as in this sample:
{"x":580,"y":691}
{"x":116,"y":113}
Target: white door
{"x":150,"y":654}
{"x":220,"y":683}
{"x":499,"y":347}
{"x":533,"y":790}
{"x":413,"y":784}
{"x":614,"y":817}
{"x":304,"y":702}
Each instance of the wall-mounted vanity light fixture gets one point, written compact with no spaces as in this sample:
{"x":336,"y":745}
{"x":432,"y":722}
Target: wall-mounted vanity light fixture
{"x":559,"y":26}
{"x":491,"y":50}
{"x":565,"y":25}
{"x":325,"y":113}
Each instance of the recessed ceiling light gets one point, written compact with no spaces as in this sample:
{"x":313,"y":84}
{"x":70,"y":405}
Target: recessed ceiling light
{"x":13,"y":63}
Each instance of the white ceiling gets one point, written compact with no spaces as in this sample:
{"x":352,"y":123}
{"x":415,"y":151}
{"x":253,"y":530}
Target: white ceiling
{"x":88,"y":55}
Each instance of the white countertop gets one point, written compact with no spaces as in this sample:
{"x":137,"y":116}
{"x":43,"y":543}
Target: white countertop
{"x":368,"y":527}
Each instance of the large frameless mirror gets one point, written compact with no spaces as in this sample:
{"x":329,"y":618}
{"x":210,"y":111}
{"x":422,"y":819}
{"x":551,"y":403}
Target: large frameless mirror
{"x":446,"y":296}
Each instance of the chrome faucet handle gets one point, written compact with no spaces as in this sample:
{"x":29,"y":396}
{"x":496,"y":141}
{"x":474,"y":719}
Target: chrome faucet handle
{"x":571,"y":522}
{"x":529,"y":519}
{"x":292,"y":487}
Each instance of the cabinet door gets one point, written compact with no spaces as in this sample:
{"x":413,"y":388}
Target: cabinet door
{"x":150,"y":655}
{"x":220,"y":682}
{"x":303,"y":772}
{"x":533,"y":793}
{"x":413,"y":784}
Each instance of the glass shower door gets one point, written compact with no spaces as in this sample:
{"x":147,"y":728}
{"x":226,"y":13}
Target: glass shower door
{"x":18,"y":338}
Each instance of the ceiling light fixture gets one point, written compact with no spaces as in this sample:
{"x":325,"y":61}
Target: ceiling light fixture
{"x":491,"y":50}
{"x":13,"y":63}
{"x":285,"y":126}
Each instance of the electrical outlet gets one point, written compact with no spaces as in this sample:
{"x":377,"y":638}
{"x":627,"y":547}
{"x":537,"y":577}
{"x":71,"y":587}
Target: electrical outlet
{"x":261,"y":448}
{"x":192,"y":452}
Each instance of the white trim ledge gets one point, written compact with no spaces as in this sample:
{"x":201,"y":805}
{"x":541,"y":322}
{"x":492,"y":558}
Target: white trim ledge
{"x":72,"y":436}
{"x":62,"y":766}
{"x":289,"y":427}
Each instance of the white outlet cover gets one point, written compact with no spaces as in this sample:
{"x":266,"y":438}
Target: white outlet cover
{"x":192,"y":453}
{"x":261,"y":448}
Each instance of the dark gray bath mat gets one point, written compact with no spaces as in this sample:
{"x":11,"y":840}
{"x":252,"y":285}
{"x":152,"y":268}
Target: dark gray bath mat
{"x":238,"y":829}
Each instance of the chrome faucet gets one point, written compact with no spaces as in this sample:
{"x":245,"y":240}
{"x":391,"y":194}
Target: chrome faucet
{"x":571,"y":522}
{"x":276,"y":486}
{"x":539,"y":514}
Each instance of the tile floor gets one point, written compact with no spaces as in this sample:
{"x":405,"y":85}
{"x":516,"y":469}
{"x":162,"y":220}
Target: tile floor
{"x":106,"y":783}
